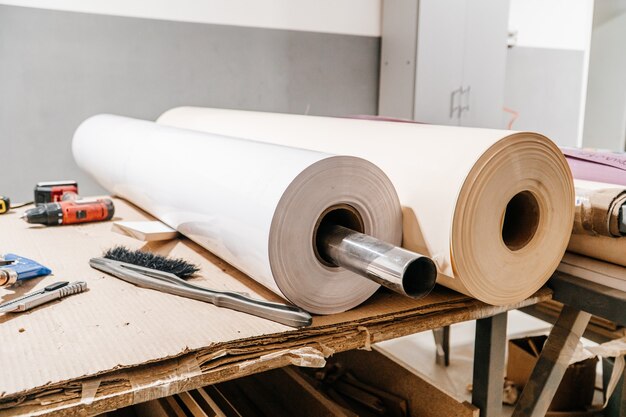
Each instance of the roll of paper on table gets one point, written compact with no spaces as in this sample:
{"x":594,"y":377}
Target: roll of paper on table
{"x":71,"y":212}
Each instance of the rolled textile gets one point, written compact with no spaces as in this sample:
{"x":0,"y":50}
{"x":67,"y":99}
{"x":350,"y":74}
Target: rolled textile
{"x":254,"y":204}
{"x":609,"y":249}
{"x":598,"y":208}
{"x":494,"y":209}
{"x":592,"y":165}
{"x":607,"y":245}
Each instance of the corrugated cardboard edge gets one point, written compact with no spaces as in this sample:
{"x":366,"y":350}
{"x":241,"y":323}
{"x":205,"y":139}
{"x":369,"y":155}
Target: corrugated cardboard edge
{"x":239,"y":358}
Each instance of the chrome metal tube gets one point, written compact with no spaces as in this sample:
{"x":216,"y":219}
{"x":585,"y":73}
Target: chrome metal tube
{"x":398,"y":269}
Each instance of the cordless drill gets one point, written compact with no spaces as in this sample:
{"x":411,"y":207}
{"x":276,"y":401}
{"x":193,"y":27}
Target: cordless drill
{"x":71,"y":212}
{"x":55,"y":191}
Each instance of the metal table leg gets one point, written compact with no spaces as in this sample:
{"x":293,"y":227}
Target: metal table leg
{"x":489,"y":348}
{"x":442,"y":342}
{"x":552,"y":363}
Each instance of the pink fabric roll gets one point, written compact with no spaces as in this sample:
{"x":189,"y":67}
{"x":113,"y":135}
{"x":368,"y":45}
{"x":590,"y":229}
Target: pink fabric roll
{"x":591,"y":165}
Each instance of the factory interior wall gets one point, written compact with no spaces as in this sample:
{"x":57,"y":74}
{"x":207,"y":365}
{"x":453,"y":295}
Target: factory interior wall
{"x":554,"y":77}
{"x":605,"y":117}
{"x":57,"y":68}
{"x":546,"y":73}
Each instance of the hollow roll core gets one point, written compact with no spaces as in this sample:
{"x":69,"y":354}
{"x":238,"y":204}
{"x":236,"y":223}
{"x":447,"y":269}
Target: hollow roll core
{"x":520,"y":220}
{"x":340,"y":214}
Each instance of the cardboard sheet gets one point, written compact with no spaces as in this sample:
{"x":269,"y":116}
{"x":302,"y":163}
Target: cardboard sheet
{"x":493,"y":208}
{"x":114,"y":324}
{"x":118,"y":344}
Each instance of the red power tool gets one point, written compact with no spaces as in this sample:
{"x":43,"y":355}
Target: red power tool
{"x":55,"y":191}
{"x":71,"y":212}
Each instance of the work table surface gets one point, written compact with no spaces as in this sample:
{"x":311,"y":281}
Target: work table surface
{"x":118,"y":344}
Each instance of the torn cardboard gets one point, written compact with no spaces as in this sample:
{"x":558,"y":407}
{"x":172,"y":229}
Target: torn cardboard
{"x":119,"y":334}
{"x":576,"y":389}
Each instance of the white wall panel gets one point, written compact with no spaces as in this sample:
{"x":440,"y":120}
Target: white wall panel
{"x":555,"y":24}
{"x":353,"y":17}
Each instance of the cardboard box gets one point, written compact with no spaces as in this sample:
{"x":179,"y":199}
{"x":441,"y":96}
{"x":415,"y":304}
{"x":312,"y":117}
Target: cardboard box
{"x":577,"y":387}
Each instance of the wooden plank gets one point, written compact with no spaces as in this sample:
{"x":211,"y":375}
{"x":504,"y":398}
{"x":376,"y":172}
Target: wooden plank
{"x":298,"y":395}
{"x":424,"y":398}
{"x":207,"y":403}
{"x":152,"y":408}
{"x":588,"y":296}
{"x":552,"y":363}
{"x":594,"y":332}
{"x":192,"y":405}
{"x":173,"y":408}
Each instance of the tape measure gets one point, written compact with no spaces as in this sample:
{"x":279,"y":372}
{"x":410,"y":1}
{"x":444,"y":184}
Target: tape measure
{"x":5,"y":204}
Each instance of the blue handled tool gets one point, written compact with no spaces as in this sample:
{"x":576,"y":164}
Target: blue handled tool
{"x":15,"y":268}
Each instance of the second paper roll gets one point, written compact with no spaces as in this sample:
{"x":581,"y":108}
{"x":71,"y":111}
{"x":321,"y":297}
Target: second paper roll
{"x":493,"y":208}
{"x":253,"y":204}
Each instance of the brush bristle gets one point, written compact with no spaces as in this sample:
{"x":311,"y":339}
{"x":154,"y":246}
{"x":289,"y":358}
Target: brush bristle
{"x":178,"y":266}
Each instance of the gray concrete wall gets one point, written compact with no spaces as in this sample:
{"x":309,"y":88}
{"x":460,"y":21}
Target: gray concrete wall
{"x":58,"y":68}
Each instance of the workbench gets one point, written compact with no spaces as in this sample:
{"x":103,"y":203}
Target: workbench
{"x":118,"y":344}
{"x":581,"y":300}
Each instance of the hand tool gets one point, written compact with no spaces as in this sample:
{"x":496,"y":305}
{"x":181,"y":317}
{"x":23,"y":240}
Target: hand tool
{"x":177,"y":266}
{"x":55,"y":191}
{"x":71,"y":212}
{"x":5,"y":204}
{"x":170,"y":283}
{"x":17,"y":268}
{"x":52,"y":292}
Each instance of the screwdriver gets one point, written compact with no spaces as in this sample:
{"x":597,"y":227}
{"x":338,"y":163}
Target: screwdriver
{"x":71,"y":212}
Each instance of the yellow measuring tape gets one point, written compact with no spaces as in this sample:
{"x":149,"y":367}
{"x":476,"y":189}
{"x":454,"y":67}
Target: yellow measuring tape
{"x":5,"y":204}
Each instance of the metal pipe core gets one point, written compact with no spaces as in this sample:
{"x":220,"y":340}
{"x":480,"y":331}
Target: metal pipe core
{"x":398,"y":269}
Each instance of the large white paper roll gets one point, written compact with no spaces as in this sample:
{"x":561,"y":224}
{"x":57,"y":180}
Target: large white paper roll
{"x":253,"y":204}
{"x":493,"y":208}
